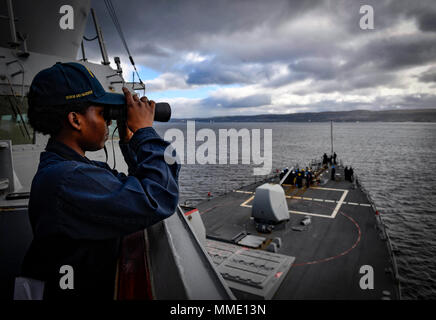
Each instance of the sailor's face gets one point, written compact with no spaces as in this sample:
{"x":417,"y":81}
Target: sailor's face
{"x":95,"y":130}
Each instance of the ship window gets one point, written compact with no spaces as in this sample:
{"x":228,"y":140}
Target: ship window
{"x":13,"y":121}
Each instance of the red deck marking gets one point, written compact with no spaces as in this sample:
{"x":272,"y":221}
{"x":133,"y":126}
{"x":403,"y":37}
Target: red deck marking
{"x":190,"y":212}
{"x":340,"y":254}
{"x":208,"y":209}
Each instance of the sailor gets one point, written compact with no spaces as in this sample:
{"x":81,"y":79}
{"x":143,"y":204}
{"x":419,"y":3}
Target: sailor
{"x":333,"y":172}
{"x":80,"y":209}
{"x":350,"y":174}
{"x":346,"y":174}
{"x":334,"y":158}
{"x":290,"y":178}
{"x":299,"y":180}
{"x":324,"y":159}
{"x":308,"y":178}
{"x":283,"y":173}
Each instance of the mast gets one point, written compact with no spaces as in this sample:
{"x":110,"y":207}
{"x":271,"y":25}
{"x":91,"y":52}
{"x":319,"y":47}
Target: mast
{"x":331,"y":134}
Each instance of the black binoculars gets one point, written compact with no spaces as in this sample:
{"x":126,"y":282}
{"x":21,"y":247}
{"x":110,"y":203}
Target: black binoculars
{"x":162,"y":112}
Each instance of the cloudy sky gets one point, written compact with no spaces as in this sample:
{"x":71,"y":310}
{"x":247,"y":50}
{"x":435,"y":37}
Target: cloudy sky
{"x":243,"y":57}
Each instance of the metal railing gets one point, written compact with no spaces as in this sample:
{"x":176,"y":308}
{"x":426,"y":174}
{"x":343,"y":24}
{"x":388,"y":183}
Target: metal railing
{"x":385,"y":236}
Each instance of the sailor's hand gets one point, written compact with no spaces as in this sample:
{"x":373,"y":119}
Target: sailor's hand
{"x":140,"y":112}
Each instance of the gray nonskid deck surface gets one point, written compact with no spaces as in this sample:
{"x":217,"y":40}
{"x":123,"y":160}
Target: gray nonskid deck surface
{"x":342,"y":237}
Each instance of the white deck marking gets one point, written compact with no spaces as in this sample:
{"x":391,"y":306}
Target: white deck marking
{"x":242,"y":191}
{"x":338,"y":206}
{"x":291,"y":211}
{"x":331,"y":189}
{"x":353,"y":203}
{"x":247,"y":201}
{"x":310,"y":214}
{"x":339,"y":203}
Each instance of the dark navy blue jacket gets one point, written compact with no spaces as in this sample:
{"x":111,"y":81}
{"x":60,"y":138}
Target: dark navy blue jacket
{"x":79,"y":209}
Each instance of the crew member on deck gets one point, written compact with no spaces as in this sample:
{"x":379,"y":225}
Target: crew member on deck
{"x":299,"y":182}
{"x":290,"y":178}
{"x":308,"y":178}
{"x":324,"y":159}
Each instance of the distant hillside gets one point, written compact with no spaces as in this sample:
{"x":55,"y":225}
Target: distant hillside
{"x":416,"y":115}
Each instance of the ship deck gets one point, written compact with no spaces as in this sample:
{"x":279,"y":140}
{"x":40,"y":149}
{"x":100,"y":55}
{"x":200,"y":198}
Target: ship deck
{"x":344,"y":235}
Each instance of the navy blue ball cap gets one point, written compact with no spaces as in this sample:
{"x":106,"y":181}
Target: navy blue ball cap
{"x":70,"y":82}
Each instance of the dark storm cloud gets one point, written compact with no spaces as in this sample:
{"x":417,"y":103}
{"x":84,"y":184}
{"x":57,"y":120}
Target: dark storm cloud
{"x":318,"y":68}
{"x":255,"y":100}
{"x":427,"y":21}
{"x":307,"y":68}
{"x":181,"y":24}
{"x":208,"y":27}
{"x":394,"y":53}
{"x":387,"y":13}
{"x":218,"y":72}
{"x":151,"y":49}
{"x":428,"y":76}
{"x":216,"y":76}
{"x":166,"y":27}
{"x":215,"y":73}
{"x":378,"y":63}
{"x":346,"y":84}
{"x":180,"y":21}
